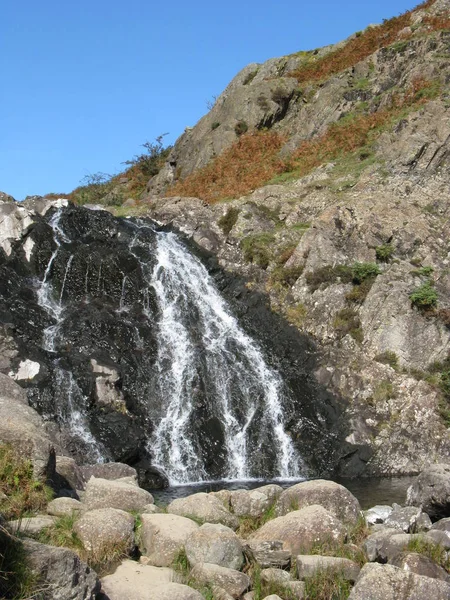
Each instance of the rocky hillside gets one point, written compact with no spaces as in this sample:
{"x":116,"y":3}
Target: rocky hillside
{"x":322,"y":177}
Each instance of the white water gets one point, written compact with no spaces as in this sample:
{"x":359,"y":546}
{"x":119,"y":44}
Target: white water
{"x":194,"y":318}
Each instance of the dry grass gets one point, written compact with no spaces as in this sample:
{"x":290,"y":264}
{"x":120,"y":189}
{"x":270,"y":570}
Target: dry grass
{"x":361,"y":46}
{"x":254,"y":159}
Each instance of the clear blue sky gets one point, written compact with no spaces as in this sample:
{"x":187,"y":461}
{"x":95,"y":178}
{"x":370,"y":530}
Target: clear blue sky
{"x":83,"y":84}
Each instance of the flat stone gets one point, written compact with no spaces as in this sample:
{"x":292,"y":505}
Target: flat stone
{"x":105,"y":493}
{"x":420,"y":565}
{"x":268,"y":554}
{"x":60,"y":507}
{"x":205,"y":507}
{"x":277,"y":576}
{"x":308,"y":565}
{"x":31,"y":525}
{"x":233,"y":582}
{"x":110,"y":471}
{"x":385,"y":582}
{"x":100,"y":528}
{"x":215,"y":544}
{"x":254,"y":503}
{"x":163,"y":536}
{"x":333,"y":497}
{"x":377,"y":514}
{"x":301,"y":529}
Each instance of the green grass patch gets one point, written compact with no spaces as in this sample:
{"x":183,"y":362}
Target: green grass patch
{"x":17,"y":581}
{"x":434,"y":552}
{"x":327,"y":584}
{"x":388,"y":358}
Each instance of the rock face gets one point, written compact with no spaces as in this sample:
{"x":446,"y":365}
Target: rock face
{"x":431,"y":491}
{"x":332,"y":496}
{"x":164,"y":536}
{"x":215,"y":544}
{"x":61,"y":574}
{"x":301,"y":529}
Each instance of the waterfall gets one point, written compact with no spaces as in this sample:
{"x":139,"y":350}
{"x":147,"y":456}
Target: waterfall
{"x":205,"y":357}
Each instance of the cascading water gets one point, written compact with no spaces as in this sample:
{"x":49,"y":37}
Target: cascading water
{"x":206,"y":359}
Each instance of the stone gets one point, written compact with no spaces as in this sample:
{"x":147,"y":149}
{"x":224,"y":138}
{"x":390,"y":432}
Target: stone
{"x":404,"y":518}
{"x":204,"y":507}
{"x":330,"y":495}
{"x":151,"y":509}
{"x":220,"y":594}
{"x":308,"y":565}
{"x":431,"y":491}
{"x":105,"y":528}
{"x":301,"y":529}
{"x":132,"y":580}
{"x":423,"y":523}
{"x":233,"y":582}
{"x":272,"y":597}
{"x":442,"y":525}
{"x":215,"y":544}
{"x":21,"y":426}
{"x":15,"y":220}
{"x":376,"y":540}
{"x":276,"y":576}
{"x":377,"y":514}
{"x":268,"y":554}
{"x":67,"y":468}
{"x":438,"y":537}
{"x":254,"y":503}
{"x":104,"y":493}
{"x":31,"y":525}
{"x":420,"y":565}
{"x":386,"y":582}
{"x":111,"y":471}
{"x":61,"y":573}
{"x":61,"y":507}
{"x":163,"y":536}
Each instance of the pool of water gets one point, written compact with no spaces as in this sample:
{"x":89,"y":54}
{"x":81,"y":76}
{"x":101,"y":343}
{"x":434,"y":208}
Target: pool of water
{"x":368,"y":491}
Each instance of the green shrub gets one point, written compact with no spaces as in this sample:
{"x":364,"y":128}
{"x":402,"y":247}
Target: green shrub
{"x":384,"y":252}
{"x":62,"y":534}
{"x":424,"y":297}
{"x":359,"y":292}
{"x":423,"y":272}
{"x":228,"y":220}
{"x":327,"y":275}
{"x":240,"y":128}
{"x":384,"y":391}
{"x":362,"y":271}
{"x":285,"y":276}
{"x":434,"y":552}
{"x":388,"y":358}
{"x":24,"y":493}
{"x":256,"y":249}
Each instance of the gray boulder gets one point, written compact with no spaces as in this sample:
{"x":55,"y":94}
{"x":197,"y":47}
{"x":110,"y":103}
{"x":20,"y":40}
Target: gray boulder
{"x":68,"y":469}
{"x":104,"y":529}
{"x":377,"y":514}
{"x":301,"y":529}
{"x":308,"y":565}
{"x":31,"y":525}
{"x":405,"y":518}
{"x":254,"y":503}
{"x":215,"y":544}
{"x":163,"y":536}
{"x":431,"y":491}
{"x":233,"y":582}
{"x":111,"y":471}
{"x":330,"y":495}
{"x":420,"y":565}
{"x":104,"y":493}
{"x":204,"y":507}
{"x":385,"y":582}
{"x":60,"y":507}
{"x":268,"y":554}
{"x":61,"y":573}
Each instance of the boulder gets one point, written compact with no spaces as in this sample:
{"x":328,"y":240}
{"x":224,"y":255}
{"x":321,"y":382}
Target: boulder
{"x":134,"y":581}
{"x":275,"y":576}
{"x":68,"y":469}
{"x":268,"y":554}
{"x":151,"y":509}
{"x":215,"y":544}
{"x":438,"y":537}
{"x":301,"y":529}
{"x":105,"y":493}
{"x":405,"y":518}
{"x":254,"y":503}
{"x":308,"y":565}
{"x":385,"y":582}
{"x":204,"y":507}
{"x":377,"y":514}
{"x":31,"y":525}
{"x":163,"y":536}
{"x":376,"y":540}
{"x":61,"y":573}
{"x":60,"y":507}
{"x":420,"y":565}
{"x":330,"y":495}
{"x":105,"y":528}
{"x":442,"y":525}
{"x":21,"y":426}
{"x":431,"y":491}
{"x":233,"y":582}
{"x":111,"y":471}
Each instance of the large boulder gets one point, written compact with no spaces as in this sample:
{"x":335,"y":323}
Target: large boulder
{"x":103,"y":529}
{"x":404,"y":518}
{"x":61,"y":507}
{"x":163,"y":536}
{"x":420,"y":565}
{"x":385,"y":582}
{"x":60,"y":572}
{"x":203,"y":507}
{"x":105,"y":493}
{"x":233,"y":582}
{"x":21,"y":426}
{"x":216,"y":544}
{"x":431,"y":491}
{"x":334,"y":497}
{"x":68,"y":469}
{"x":254,"y":503}
{"x":301,"y":529}
{"x":111,"y":471}
{"x":134,"y":581}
